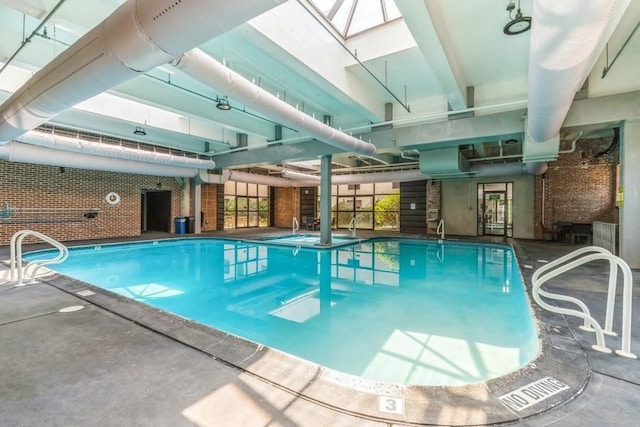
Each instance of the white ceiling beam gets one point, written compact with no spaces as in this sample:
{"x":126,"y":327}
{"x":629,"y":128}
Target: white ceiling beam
{"x":423,"y":19}
{"x":314,"y":52}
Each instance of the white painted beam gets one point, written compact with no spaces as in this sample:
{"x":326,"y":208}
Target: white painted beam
{"x":422,"y":18}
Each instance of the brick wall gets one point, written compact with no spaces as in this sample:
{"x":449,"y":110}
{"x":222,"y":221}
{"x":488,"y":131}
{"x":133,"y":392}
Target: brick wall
{"x":66,"y":192}
{"x":287,"y":205}
{"x":433,"y":202}
{"x":579,"y":186}
{"x":209,"y":205}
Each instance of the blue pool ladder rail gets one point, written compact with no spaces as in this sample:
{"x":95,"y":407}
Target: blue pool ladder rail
{"x":578,"y":258}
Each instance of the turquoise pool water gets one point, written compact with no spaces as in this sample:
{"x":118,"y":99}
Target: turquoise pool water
{"x":399,"y":311}
{"x":305,"y":240}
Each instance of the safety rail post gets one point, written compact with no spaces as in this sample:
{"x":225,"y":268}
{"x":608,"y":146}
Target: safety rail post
{"x":294,"y":225}
{"x":18,"y":271}
{"x":568,"y":262}
{"x":440,"y":229}
{"x":352,"y":226}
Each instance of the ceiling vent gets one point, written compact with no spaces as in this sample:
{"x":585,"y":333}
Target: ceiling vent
{"x":443,"y":162}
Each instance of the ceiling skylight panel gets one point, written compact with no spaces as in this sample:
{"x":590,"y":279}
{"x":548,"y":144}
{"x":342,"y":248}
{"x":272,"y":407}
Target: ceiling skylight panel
{"x":351,"y":17}
{"x":367,"y":15}
{"x":342,"y":17}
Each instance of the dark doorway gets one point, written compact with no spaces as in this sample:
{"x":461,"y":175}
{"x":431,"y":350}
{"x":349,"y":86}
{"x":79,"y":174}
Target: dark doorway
{"x":156,"y":210}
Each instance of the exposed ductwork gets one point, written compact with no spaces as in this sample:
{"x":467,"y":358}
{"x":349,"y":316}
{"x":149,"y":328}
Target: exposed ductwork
{"x":474,"y":171}
{"x":566,"y":39}
{"x":252,"y":178}
{"x":78,"y":145}
{"x":138,"y":36}
{"x":207,"y":70}
{"x":301,"y":176}
{"x":443,"y":162}
{"x":393,"y":176}
{"x":27,"y":153}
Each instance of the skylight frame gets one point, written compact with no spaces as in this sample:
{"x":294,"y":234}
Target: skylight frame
{"x":334,"y":13}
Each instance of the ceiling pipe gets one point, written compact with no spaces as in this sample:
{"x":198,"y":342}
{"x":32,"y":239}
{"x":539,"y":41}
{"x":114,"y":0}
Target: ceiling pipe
{"x":251,"y":178}
{"x":78,"y":145}
{"x":26,"y":153}
{"x":136,"y":37}
{"x":204,"y":177}
{"x":275,"y":181}
{"x":566,"y":39}
{"x":208,"y":71}
{"x":393,"y":176}
{"x":286,"y":173}
{"x":476,"y":171}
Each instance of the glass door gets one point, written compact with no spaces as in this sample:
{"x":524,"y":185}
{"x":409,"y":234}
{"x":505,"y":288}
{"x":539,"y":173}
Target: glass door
{"x":494,"y":209}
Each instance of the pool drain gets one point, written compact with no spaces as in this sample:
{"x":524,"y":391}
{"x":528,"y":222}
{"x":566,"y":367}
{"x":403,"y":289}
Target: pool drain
{"x":71,"y":309}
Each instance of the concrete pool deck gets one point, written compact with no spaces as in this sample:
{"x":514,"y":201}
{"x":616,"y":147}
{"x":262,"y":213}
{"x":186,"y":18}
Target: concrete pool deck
{"x":117,"y":362}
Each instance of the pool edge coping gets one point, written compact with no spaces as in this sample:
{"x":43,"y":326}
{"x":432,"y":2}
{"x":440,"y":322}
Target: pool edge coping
{"x":356,"y":396}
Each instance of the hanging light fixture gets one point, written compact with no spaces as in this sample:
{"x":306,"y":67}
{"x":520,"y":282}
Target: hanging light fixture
{"x":223,"y":104}
{"x":139,"y":131}
{"x":519,"y":24}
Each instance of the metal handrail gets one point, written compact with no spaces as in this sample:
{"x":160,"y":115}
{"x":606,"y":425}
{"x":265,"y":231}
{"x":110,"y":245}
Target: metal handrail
{"x":440,"y":229}
{"x":352,"y":226}
{"x":440,"y":253}
{"x":294,"y":225}
{"x":568,"y":262}
{"x":15,"y":256}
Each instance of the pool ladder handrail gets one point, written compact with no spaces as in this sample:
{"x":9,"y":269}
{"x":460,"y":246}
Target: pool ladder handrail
{"x":18,"y":271}
{"x":352,"y":226}
{"x":440,"y":229}
{"x":294,"y":225}
{"x":568,"y":262}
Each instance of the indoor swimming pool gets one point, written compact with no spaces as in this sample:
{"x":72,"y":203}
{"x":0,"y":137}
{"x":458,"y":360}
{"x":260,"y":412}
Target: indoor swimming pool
{"x":399,"y":311}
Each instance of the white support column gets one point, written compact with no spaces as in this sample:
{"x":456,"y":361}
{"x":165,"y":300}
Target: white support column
{"x":629,"y":232}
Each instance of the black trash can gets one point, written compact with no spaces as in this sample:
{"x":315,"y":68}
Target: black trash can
{"x":180,"y":225}
{"x":190,"y":224}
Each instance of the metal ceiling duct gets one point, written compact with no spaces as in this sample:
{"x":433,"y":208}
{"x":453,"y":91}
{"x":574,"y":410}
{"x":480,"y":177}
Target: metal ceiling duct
{"x":393,"y":176}
{"x":301,"y":176}
{"x":443,"y":162}
{"x":207,"y":70}
{"x":297,"y":179}
{"x":251,"y":178}
{"x":26,"y":153}
{"x":78,"y":145}
{"x":566,"y":38}
{"x":138,"y":36}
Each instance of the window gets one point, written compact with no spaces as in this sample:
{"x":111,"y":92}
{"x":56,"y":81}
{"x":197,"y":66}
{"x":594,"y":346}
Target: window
{"x":245,"y":205}
{"x":374,"y":206}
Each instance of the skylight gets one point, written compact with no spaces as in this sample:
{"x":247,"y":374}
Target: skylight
{"x":351,"y":17}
